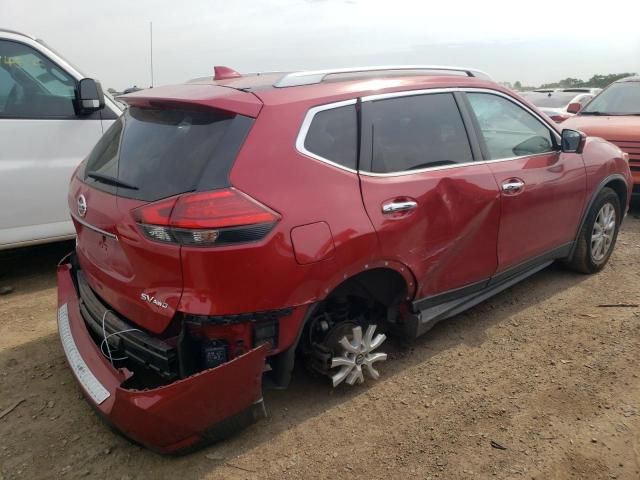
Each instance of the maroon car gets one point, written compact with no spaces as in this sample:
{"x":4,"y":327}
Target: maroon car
{"x":230,"y":226}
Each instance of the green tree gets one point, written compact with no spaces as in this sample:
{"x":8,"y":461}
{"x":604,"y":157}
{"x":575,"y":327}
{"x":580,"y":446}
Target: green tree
{"x":602,"y":81}
{"x":517,"y":85}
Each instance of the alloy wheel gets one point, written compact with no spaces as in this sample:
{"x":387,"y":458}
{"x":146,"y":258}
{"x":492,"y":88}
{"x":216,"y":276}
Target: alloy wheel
{"x":357,"y":353}
{"x":603,"y":231}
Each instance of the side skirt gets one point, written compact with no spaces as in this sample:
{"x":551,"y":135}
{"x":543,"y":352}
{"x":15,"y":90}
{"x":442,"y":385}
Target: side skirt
{"x":432,"y":310}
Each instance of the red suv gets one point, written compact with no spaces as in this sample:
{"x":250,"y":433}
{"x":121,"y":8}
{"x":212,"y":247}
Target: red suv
{"x":228,"y":227}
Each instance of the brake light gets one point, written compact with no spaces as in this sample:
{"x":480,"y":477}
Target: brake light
{"x":206,"y":218}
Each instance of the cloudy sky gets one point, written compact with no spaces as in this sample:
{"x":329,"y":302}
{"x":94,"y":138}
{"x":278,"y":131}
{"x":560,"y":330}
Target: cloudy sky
{"x":545,"y":41}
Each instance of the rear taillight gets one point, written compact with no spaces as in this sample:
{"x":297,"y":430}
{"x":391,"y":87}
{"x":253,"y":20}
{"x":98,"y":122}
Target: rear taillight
{"x":219,"y":217}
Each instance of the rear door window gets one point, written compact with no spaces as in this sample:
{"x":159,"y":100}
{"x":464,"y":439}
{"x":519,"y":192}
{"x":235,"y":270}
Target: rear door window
{"x":507,"y":129}
{"x":416,"y":132}
{"x":164,"y":152}
{"x":333,"y":136}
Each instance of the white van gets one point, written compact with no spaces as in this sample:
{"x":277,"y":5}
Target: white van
{"x":50,"y":118}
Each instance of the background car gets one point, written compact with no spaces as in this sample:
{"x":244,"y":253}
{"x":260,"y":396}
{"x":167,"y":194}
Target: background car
{"x":615,"y":116}
{"x":555,"y":103}
{"x":51,"y":116}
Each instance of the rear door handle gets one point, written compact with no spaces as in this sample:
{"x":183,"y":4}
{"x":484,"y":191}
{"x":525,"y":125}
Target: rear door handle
{"x":399,"y":206}
{"x":513,"y":185}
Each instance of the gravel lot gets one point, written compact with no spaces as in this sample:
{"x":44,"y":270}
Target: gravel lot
{"x":541,"y":370}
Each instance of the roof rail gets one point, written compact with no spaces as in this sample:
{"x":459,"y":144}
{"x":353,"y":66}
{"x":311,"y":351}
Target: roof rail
{"x":15,"y":32}
{"x":311,"y":77}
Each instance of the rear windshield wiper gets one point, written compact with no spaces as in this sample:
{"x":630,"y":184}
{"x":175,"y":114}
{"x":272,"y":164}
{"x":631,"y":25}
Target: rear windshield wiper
{"x":592,"y":113}
{"x":108,"y":179}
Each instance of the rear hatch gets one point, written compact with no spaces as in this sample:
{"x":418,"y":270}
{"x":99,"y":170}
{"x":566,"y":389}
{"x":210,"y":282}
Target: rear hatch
{"x":162,"y":147}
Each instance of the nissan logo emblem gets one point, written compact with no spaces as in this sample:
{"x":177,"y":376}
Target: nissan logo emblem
{"x":82,"y":206}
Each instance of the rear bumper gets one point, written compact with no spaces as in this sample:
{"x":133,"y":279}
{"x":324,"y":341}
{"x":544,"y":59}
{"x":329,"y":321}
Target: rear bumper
{"x":204,"y":407}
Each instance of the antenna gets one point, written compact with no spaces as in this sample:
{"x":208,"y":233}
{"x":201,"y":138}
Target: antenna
{"x":151,"y":45}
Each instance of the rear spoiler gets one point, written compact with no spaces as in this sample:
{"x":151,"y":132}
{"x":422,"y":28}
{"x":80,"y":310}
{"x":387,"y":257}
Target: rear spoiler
{"x":196,"y":96}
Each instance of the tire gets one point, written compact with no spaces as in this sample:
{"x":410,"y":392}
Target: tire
{"x":591,"y":254}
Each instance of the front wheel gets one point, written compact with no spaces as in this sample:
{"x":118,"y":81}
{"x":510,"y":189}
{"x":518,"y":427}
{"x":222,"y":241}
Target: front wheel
{"x":599,"y":233}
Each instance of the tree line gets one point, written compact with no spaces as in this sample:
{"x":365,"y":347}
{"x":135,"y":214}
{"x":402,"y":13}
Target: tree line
{"x":597,"y":81}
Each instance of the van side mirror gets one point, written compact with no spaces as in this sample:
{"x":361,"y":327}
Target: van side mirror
{"x":89,"y":96}
{"x":572,"y":141}
{"x":574,"y":107}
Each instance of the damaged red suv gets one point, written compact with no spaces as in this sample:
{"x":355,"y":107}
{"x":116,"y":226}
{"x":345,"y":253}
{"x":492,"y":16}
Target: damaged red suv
{"x":229,"y":226}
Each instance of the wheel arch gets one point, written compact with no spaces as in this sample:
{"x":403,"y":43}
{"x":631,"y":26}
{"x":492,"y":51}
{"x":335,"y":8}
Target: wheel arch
{"x":618,"y":184}
{"x":385,"y":281}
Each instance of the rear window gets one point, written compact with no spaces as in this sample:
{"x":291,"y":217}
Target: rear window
{"x":165,"y":152}
{"x":333,"y":135}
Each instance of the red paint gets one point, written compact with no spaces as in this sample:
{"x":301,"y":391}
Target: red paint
{"x":224,"y":73}
{"x":330,"y":227}
{"x":449,"y":240}
{"x":312,"y":243}
{"x":546,"y":212}
{"x":173,"y":417}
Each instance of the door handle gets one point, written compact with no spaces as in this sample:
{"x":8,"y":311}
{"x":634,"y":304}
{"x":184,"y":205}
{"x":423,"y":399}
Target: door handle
{"x":399,"y":206}
{"x":513,"y":185}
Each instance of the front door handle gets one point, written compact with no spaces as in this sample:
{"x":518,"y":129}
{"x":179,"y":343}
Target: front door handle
{"x":399,"y":206}
{"x":513,"y":185}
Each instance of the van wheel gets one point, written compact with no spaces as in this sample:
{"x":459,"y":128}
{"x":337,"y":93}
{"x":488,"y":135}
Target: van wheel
{"x":599,"y":233}
{"x":341,"y":341}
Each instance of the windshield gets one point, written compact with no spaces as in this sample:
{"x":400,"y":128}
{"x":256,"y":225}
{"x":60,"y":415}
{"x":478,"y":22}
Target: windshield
{"x":551,"y":100}
{"x":621,"y":98}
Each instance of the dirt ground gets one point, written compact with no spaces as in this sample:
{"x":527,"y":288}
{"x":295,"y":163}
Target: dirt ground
{"x":540,"y":369}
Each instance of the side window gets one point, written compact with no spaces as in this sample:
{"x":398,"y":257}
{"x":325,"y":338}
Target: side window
{"x":509,"y":130}
{"x":417,"y":132}
{"x":333,"y":135}
{"x":31,"y":85}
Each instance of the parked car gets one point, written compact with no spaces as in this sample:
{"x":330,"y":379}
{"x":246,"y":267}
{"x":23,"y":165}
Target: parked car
{"x":555,"y":104}
{"x":615,"y":116}
{"x":227,"y":227}
{"x":51,"y":116}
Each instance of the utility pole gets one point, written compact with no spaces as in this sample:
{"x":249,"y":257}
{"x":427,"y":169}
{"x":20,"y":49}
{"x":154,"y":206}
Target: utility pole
{"x":151,"y":45}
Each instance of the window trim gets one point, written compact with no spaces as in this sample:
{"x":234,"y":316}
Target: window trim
{"x":408,"y":93}
{"x":306,"y":124}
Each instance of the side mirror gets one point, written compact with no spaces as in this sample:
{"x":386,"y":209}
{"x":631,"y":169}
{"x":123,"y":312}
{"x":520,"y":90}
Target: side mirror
{"x":574,"y":107}
{"x":89,"y":97}
{"x":572,"y":141}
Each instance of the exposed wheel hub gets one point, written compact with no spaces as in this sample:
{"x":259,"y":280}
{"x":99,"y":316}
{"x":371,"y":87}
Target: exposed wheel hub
{"x":358,"y":352}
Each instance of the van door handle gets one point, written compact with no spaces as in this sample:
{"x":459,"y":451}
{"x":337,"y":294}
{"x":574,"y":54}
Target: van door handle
{"x":513,"y":185}
{"x":399,"y":206}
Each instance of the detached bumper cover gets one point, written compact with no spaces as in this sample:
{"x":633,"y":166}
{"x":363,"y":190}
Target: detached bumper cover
{"x":204,"y":407}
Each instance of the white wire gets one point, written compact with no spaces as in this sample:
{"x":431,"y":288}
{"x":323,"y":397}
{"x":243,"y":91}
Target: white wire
{"x":105,"y":339}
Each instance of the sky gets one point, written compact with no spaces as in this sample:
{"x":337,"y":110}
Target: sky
{"x":533,"y":42}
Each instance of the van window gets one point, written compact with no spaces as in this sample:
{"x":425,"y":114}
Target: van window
{"x":417,"y":132}
{"x":507,"y":129}
{"x":333,"y":135}
{"x":32,"y":86}
{"x":164,"y":152}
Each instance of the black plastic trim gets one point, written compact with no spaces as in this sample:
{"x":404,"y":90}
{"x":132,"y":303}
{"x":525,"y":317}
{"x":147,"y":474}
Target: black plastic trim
{"x":139,"y":346}
{"x":601,"y":185}
{"x":453,"y":302}
{"x":251,"y":317}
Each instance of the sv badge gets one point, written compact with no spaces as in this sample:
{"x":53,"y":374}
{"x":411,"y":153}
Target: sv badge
{"x":145,"y":297}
